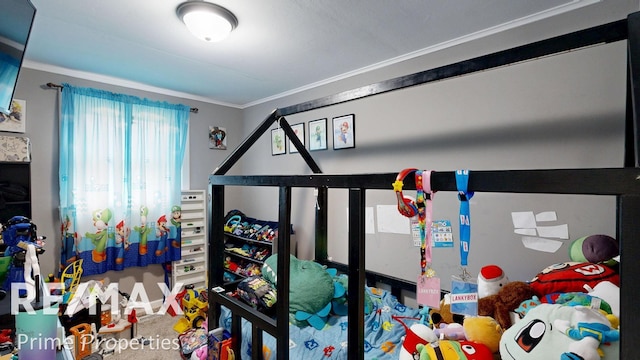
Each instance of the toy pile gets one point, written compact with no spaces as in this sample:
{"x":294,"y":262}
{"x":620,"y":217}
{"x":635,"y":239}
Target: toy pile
{"x":239,"y":224}
{"x":258,"y":232}
{"x":568,"y":310}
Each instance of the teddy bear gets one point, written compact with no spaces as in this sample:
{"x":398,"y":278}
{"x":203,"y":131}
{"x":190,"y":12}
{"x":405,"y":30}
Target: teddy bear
{"x":508,"y":298}
{"x":443,"y":315}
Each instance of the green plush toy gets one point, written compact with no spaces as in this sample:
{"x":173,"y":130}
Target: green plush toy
{"x":595,"y":249}
{"x":311,"y":290}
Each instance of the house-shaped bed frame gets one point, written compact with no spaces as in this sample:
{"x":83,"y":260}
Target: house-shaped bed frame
{"x":624,"y":183}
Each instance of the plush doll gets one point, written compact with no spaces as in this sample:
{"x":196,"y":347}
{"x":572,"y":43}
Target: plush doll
{"x":484,"y":330}
{"x":553,"y":331}
{"x":588,"y":332}
{"x":580,"y":298}
{"x":453,"y":350}
{"x":490,"y":279}
{"x":594,"y":248}
{"x":509,"y":298}
{"x":609,"y":292}
{"x":416,"y":334}
{"x":527,"y":305}
{"x":453,"y":331}
{"x":444,"y":314}
{"x":572,"y":276}
{"x":311,"y":290}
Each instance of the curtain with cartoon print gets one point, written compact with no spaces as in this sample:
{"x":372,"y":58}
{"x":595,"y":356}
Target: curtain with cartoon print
{"x":120,"y":179}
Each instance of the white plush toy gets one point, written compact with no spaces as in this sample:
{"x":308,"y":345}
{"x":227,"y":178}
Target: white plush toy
{"x":609,"y":292}
{"x":589,"y":329}
{"x":490,"y":279}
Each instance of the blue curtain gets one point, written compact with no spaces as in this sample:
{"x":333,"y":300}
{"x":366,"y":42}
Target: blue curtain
{"x":120,"y":179}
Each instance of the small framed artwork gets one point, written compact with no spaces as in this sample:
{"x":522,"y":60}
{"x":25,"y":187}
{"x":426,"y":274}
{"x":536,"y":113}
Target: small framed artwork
{"x":278,"y":146}
{"x":344,"y":132}
{"x":318,"y":134}
{"x":217,"y":138}
{"x":16,"y":120}
{"x":298,"y":129}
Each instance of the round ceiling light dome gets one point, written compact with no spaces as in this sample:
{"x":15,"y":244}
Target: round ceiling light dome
{"x":207,"y":21}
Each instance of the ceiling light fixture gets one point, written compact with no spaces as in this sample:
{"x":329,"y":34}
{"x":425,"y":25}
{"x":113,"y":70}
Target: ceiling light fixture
{"x":207,"y":21}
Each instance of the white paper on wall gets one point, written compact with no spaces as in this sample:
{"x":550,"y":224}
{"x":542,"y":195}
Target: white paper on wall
{"x":546,"y":216}
{"x":528,"y":232}
{"x":557,"y":231}
{"x":540,"y":244}
{"x":390,"y":220}
{"x":523,"y":219}
{"x":369,"y":224}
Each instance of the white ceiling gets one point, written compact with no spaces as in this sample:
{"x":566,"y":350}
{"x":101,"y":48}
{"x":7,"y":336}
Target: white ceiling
{"x":279,"y":46}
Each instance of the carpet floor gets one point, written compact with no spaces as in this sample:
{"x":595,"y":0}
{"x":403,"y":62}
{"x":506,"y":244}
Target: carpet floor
{"x":155,"y":339}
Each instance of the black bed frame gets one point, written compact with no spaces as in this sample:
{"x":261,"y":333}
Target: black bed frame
{"x":620,"y":182}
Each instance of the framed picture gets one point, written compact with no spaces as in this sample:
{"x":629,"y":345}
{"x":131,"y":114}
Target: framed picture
{"x":298,"y":129}
{"x":344,"y":132}
{"x":16,"y":120}
{"x":278,"y":145}
{"x":318,"y":134}
{"x":217,"y":138}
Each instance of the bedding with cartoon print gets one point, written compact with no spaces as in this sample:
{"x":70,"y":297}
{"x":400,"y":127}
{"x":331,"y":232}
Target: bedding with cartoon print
{"x":383,"y":334}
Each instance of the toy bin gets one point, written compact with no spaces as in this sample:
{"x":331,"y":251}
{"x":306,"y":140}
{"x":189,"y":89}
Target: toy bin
{"x":219,"y":346}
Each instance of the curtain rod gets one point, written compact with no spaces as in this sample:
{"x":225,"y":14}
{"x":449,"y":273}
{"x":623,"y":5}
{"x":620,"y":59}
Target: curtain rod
{"x":58,"y":86}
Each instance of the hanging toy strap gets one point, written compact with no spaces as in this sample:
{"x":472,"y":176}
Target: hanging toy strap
{"x":424,"y":203}
{"x":462,"y":181}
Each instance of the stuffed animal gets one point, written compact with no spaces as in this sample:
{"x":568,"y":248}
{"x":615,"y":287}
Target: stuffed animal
{"x":311,"y":290}
{"x":416,"y":334}
{"x":484,"y":330}
{"x":594,"y":248}
{"x":609,"y":292}
{"x":588,"y":332}
{"x":490,"y":279}
{"x":572,"y":276}
{"x":580,"y":298}
{"x":553,"y":331}
{"x":453,"y":350}
{"x":444,"y":314}
{"x":453,"y":331}
{"x":509,"y":298}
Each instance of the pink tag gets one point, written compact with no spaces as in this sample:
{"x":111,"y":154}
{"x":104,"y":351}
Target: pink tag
{"x":429,"y":291}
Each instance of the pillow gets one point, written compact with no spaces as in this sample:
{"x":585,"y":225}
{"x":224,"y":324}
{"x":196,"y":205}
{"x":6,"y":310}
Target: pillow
{"x":572,"y":277}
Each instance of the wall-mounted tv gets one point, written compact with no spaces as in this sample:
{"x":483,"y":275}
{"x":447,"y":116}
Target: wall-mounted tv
{"x":15,"y":27}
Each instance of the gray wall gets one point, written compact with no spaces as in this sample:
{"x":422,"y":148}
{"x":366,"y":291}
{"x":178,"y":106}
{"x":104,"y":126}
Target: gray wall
{"x":42,"y":129}
{"x":564,"y":111}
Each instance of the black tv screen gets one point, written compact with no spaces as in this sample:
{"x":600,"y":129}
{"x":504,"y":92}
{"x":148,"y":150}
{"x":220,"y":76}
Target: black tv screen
{"x":15,"y":27}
